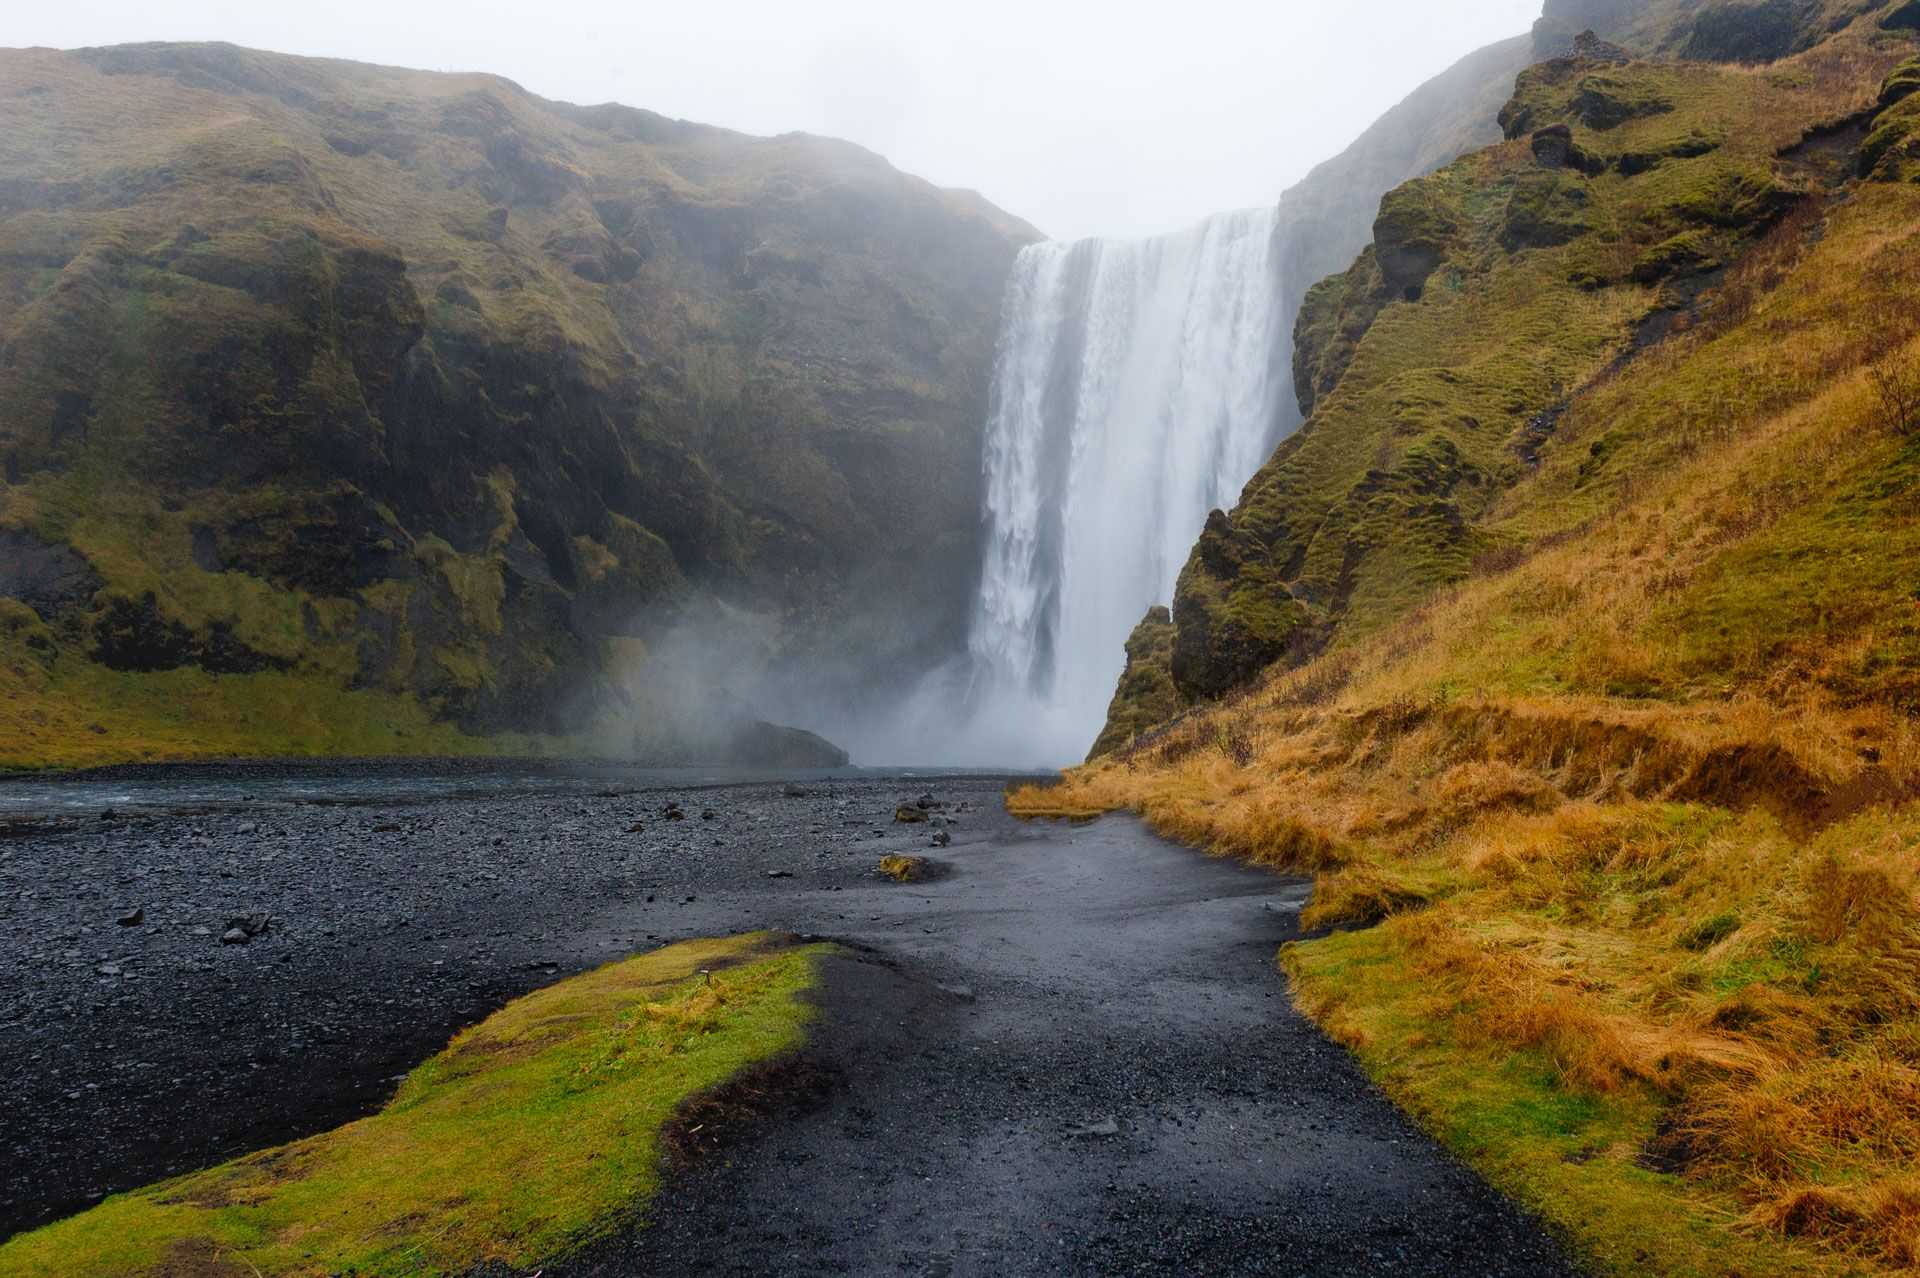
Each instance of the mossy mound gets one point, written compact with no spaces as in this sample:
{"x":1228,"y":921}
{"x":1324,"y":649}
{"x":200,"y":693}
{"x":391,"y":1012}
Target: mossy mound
{"x":536,"y":1131}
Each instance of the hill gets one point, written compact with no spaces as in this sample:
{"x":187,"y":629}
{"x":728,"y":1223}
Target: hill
{"x":356,"y":409}
{"x":1572,"y":644}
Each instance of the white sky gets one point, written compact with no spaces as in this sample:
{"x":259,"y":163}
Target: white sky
{"x":1084,"y":118}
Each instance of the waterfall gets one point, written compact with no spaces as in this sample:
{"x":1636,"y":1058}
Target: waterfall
{"x":1138,"y":385}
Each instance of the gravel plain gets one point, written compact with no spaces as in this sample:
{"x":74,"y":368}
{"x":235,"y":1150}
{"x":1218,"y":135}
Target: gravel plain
{"x":1071,"y":1052}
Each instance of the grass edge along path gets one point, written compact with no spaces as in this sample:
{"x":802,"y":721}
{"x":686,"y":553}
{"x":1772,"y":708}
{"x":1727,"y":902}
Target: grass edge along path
{"x":535,"y":1131}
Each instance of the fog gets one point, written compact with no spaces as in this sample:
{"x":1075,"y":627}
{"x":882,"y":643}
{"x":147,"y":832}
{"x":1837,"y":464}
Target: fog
{"x":1085,"y":119}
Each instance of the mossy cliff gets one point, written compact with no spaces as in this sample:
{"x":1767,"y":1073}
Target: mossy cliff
{"x":1438,"y":364}
{"x":420,"y":393}
{"x":1572,"y":646}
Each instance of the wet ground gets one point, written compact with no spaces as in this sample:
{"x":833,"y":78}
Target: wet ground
{"x":1072,"y":1053}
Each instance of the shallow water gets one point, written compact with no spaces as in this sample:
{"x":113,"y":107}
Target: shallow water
{"x":171,"y":787}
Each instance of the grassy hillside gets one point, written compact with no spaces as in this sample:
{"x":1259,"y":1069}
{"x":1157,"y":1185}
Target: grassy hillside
{"x":441,"y":403}
{"x":1574,"y":647}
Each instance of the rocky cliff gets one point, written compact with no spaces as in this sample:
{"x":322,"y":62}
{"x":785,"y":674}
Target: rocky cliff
{"x":436,"y":403}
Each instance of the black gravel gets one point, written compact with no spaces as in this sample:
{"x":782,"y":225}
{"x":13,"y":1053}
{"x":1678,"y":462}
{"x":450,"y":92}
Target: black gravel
{"x":1070,"y":1054}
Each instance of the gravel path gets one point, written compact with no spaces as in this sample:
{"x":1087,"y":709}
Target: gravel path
{"x":1070,"y":1054}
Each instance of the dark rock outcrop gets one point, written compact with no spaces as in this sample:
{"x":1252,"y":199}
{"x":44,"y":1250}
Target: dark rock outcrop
{"x":47,"y":577}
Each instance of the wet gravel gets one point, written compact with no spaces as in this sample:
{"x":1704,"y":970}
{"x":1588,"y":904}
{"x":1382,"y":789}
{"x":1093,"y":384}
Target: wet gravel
{"x":1070,"y":1054}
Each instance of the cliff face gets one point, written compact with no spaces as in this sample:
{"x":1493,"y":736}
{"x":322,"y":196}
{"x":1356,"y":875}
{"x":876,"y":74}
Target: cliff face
{"x":417,"y":386}
{"x":1327,"y":218}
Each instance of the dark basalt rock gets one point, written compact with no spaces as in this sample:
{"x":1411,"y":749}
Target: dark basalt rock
{"x":136,"y":635}
{"x":769,"y":745}
{"x":50,"y":579}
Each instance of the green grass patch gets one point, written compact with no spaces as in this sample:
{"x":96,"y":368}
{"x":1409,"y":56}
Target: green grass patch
{"x":1568,"y":1154}
{"x":534,"y":1131}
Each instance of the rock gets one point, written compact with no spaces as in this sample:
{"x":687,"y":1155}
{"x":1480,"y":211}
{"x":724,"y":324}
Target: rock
{"x":108,"y":969}
{"x":962,"y":992}
{"x":1554,"y":148}
{"x":793,"y":791}
{"x":941,"y":839}
{"x":202,"y":931}
{"x":49,"y":578}
{"x":249,"y":926}
{"x":673,"y":812}
{"x":906,"y":869}
{"x":779,"y":874}
{"x":638,"y":827}
{"x":927,"y":803}
{"x":708,"y":814}
{"x":759,"y":744}
{"x":1411,"y":235}
{"x":133,"y":918}
{"x":234,"y":936}
{"x":908,"y":814}
{"x":1100,"y":1127}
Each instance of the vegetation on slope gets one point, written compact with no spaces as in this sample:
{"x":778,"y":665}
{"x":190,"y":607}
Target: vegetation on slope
{"x":1604,"y":750}
{"x":422,"y":387}
{"x":537,"y":1130}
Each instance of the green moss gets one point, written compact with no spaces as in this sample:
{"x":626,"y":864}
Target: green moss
{"x":1546,"y":209}
{"x":1146,"y":694}
{"x":535,"y":1131}
{"x":1687,"y":252}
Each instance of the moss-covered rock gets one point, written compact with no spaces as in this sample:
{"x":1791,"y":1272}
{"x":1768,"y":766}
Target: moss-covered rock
{"x":1411,"y":235}
{"x":1685,"y":253}
{"x":1146,"y":694}
{"x":1544,"y":210}
{"x":1334,"y":316}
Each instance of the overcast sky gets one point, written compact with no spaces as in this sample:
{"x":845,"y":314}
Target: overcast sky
{"x":1083,"y":118}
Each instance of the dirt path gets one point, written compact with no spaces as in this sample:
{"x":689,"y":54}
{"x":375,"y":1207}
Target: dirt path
{"x":1073,"y":1054}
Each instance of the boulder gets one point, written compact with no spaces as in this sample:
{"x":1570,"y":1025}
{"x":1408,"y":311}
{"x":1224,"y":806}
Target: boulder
{"x":760,"y":744}
{"x":1554,"y":148}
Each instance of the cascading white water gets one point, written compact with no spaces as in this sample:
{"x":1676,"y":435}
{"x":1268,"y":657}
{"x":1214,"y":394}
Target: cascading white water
{"x":1136,"y":389}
